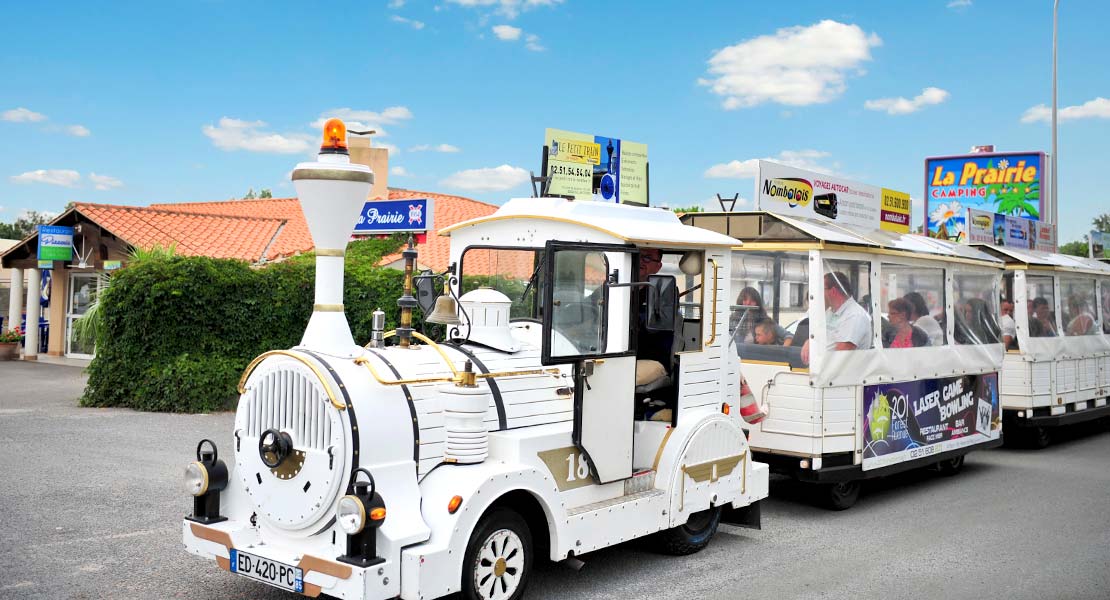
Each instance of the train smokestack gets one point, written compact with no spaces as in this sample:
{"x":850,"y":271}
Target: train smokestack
{"x":332,"y":192}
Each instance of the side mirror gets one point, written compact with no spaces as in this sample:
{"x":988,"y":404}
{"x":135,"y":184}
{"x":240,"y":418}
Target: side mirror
{"x":427,"y":292}
{"x":662,"y":303}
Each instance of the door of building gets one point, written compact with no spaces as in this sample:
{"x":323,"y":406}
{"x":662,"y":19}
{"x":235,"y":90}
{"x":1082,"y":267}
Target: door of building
{"x":84,"y":288}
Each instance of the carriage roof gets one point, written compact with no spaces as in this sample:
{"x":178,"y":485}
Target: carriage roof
{"x":1019,"y":257}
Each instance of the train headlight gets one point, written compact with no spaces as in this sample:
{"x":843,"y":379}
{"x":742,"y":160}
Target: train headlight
{"x":360,"y":515}
{"x":205,"y":479}
{"x":196,"y":478}
{"x":351,"y":514}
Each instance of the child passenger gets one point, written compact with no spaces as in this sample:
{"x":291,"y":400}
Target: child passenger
{"x":766,"y":333}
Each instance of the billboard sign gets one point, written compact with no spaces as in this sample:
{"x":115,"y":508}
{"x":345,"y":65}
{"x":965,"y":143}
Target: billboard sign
{"x":1097,"y":242}
{"x":796,"y":192}
{"x":1019,"y":233}
{"x":1009,"y":183}
{"x":393,"y":216}
{"x":1046,"y":237}
{"x":595,"y":167}
{"x":915,"y":419}
{"x":55,"y":242}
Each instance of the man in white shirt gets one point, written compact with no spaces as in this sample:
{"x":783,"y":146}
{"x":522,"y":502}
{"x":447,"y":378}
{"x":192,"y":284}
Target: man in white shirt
{"x":1009,"y":328}
{"x":847,"y":323}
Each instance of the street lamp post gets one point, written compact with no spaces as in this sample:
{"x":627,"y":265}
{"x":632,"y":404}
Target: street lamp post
{"x":1055,"y":155}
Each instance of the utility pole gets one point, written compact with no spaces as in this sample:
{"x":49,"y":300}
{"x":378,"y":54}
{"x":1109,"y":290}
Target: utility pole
{"x":1055,"y":152}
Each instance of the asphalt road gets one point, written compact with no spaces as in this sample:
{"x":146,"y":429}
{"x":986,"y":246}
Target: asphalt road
{"x":91,"y":503}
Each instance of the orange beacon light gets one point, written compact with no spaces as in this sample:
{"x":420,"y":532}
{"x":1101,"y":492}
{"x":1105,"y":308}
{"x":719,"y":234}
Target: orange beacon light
{"x":335,"y":137}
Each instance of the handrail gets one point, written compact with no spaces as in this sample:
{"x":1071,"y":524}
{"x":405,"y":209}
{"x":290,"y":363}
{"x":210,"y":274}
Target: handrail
{"x":319,"y":375}
{"x":713,"y":328}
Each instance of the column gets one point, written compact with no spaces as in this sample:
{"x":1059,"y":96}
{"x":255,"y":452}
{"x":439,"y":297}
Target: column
{"x":15,"y":300}
{"x":34,"y":310}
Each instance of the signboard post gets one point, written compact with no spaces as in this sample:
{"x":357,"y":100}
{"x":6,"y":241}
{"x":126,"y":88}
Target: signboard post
{"x":55,"y":243}
{"x":393,"y":216}
{"x":797,"y":192}
{"x":1007,"y":183}
{"x":595,"y":167}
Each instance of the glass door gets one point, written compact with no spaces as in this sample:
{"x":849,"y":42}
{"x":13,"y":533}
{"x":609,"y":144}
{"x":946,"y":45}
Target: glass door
{"x":83,"y":291}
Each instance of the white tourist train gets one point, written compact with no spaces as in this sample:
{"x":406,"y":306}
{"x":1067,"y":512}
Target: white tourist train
{"x":870,"y":352}
{"x":1056,"y":313}
{"x":574,"y":407}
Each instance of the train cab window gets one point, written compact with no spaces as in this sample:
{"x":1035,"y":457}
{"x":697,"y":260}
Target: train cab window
{"x":515,"y":273}
{"x":1041,"y":298}
{"x":921,"y":291}
{"x":847,"y":293}
{"x":578,"y":303}
{"x":690,"y":293}
{"x":977,"y":308}
{"x":768,"y":317}
{"x":1077,"y":305}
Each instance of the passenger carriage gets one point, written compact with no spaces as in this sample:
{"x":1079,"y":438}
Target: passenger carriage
{"x":421,"y":469}
{"x":900,"y":373}
{"x":1057,"y":368}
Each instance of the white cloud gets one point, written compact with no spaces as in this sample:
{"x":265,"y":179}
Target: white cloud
{"x":496,"y":179}
{"x":365,"y":119}
{"x":1099,"y":108}
{"x":507,"y":32}
{"x":236,"y":134}
{"x":959,"y":4}
{"x":508,"y":8}
{"x":399,"y":171}
{"x":392,"y":149}
{"x":445,"y":148}
{"x":22,"y":115}
{"x":532,"y":42}
{"x":396,"y":3}
{"x":104,"y":182}
{"x":410,"y":22}
{"x":77,"y":130}
{"x":747,"y":169}
{"x":62,"y":177}
{"x":796,"y":66}
{"x":903,"y":106}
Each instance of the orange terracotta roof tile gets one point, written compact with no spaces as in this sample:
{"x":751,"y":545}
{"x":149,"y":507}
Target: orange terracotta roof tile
{"x":292,"y":239}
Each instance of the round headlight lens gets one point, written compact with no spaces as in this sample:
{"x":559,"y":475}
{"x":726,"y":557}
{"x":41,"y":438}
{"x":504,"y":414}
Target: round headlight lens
{"x":351,"y":515}
{"x":196,"y":479}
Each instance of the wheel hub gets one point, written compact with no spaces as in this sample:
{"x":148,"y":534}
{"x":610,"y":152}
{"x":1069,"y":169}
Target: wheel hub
{"x":499,"y":567}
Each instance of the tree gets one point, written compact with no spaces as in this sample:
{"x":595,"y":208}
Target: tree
{"x":250,"y":195}
{"x":1076,"y":248}
{"x":686,"y":209}
{"x":25,"y":225}
{"x":1101,"y":222}
{"x":265,"y":193}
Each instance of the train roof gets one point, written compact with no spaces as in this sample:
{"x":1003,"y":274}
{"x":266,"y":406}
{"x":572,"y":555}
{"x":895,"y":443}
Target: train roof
{"x":638,"y":225}
{"x":1036,"y":258}
{"x":767,"y":230}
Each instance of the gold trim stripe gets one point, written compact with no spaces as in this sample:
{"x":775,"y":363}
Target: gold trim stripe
{"x":336,"y":252}
{"x":334,"y":175}
{"x":312,"y":367}
{"x":327,"y":308}
{"x":659,"y":452}
{"x":222,"y":538}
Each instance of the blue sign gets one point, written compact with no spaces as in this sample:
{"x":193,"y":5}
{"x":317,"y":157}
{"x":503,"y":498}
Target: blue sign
{"x":392,"y":216}
{"x":55,"y":242}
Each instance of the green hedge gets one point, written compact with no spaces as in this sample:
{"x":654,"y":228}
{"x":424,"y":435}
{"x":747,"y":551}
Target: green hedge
{"x":177,"y":332}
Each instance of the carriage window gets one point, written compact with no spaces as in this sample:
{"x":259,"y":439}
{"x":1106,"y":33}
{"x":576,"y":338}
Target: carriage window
{"x":767,"y":319}
{"x":913,"y":304}
{"x":578,"y":303}
{"x":1105,"y":285}
{"x":1041,"y":299}
{"x":1077,"y":303}
{"x":515,"y":273}
{"x":847,"y":293}
{"x":977,"y":309}
{"x":1006,"y":321}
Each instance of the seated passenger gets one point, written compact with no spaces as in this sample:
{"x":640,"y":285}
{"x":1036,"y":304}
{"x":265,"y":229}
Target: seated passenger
{"x":652,"y":345}
{"x":1009,"y":328}
{"x":902,"y":333}
{"x":743,"y":321}
{"x":1083,"y":321}
{"x":766,"y":333}
{"x":921,"y":318}
{"x":848,"y":324}
{"x":1042,"y":322}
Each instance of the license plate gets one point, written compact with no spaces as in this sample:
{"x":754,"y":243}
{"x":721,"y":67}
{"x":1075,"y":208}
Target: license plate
{"x":269,"y":571}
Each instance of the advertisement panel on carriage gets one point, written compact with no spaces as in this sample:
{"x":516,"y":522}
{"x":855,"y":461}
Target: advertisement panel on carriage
{"x":796,"y":192}
{"x":915,"y":419}
{"x":1007,"y":183}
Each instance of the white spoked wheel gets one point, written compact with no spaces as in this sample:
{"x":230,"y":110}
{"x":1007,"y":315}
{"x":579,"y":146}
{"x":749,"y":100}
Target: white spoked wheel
{"x":498,"y":558}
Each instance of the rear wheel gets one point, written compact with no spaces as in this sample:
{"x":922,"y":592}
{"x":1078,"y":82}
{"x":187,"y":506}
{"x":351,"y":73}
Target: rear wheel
{"x":842,"y":495}
{"x":498,"y":558}
{"x":691,"y":536}
{"x":951,"y":466}
{"x":1038,"y":437}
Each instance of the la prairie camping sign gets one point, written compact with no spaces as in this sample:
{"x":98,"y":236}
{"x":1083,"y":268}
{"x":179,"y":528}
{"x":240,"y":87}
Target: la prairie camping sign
{"x":393,"y":216}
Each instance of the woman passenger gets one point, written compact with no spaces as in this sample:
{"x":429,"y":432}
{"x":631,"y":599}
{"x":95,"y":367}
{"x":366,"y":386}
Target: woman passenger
{"x":920,"y":317}
{"x":753,"y":313}
{"x":902,"y":333}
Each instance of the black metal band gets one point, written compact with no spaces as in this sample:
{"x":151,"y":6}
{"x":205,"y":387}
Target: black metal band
{"x":351,"y":418}
{"x":493,"y":388}
{"x":412,"y":409}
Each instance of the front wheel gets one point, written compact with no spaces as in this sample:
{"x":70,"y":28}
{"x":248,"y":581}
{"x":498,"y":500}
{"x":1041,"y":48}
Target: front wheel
{"x":842,"y":495}
{"x":691,"y":536}
{"x":498,"y":558}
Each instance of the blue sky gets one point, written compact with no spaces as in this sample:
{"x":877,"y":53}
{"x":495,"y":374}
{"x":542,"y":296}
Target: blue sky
{"x":136,"y":103}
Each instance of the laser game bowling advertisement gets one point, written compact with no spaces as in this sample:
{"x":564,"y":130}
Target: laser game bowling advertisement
{"x":915,"y":419}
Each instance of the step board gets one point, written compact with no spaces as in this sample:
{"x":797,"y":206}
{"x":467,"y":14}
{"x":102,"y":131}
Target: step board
{"x":613,"y":503}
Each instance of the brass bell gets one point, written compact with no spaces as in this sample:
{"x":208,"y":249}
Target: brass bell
{"x":445,"y":311}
